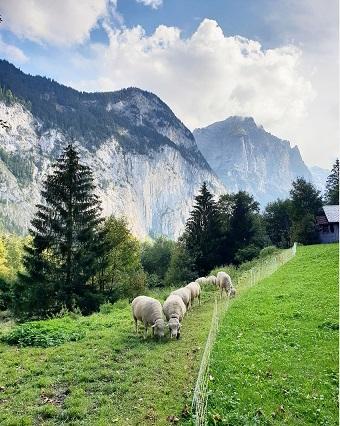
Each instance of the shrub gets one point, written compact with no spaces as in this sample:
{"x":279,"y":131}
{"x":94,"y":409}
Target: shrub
{"x":268,"y":251}
{"x":43,"y":334}
{"x":153,"y":280}
{"x":247,"y":253}
{"x":106,"y":308}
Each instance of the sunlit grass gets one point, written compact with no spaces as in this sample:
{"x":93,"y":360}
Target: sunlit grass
{"x":110,"y":376}
{"x":276,"y":356}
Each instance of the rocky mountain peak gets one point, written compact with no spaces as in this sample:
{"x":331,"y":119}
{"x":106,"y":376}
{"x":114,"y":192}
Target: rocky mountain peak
{"x":246,"y":157}
{"x":146,"y":162}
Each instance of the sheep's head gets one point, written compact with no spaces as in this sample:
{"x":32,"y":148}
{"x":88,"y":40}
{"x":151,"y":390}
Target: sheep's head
{"x":232,"y":292}
{"x":174,"y":327}
{"x":158,"y":328}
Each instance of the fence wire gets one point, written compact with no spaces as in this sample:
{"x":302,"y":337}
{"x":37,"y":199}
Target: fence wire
{"x":244,"y":281}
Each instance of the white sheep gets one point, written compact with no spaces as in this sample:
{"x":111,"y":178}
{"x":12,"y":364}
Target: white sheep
{"x":195,"y":290}
{"x":149,"y":312}
{"x":232,"y":292}
{"x":174,"y":310}
{"x":212,"y":280}
{"x":185,"y":294}
{"x":202,"y":281}
{"x":224,"y":282}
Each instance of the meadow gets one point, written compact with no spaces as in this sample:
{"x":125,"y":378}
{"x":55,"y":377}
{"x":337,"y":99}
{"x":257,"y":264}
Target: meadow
{"x":275,"y":360}
{"x":105,"y":375}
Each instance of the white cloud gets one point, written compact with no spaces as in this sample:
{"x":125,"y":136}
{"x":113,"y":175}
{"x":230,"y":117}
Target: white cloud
{"x":58,"y":22}
{"x":155,"y":4}
{"x":315,"y":26}
{"x":206,"y":77}
{"x":12,"y":53}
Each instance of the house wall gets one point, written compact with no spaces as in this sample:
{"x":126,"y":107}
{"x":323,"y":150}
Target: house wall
{"x":329,"y":236}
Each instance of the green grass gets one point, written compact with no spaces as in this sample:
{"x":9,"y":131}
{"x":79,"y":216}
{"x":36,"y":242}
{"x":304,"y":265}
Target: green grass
{"x":110,"y":376}
{"x":275,"y":360}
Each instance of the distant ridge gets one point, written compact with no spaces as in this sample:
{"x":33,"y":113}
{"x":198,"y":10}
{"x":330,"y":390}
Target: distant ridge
{"x":246,"y":157}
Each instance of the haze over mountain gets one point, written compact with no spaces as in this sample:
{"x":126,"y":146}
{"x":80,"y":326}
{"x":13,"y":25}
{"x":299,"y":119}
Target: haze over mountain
{"x":246,"y":157}
{"x":319,"y":176}
{"x":145,"y":161}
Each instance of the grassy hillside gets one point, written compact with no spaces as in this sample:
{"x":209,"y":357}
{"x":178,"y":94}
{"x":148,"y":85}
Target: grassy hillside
{"x":276,"y":356}
{"x":109,"y":376}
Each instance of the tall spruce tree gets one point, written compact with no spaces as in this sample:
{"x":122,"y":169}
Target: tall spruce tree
{"x":203,"y":232}
{"x":244,"y":227}
{"x":61,"y":260}
{"x":332,"y":185}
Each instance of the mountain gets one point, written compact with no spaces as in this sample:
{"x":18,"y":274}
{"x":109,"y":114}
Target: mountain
{"x":246,"y":157}
{"x":146,"y":162}
{"x":319,"y":177}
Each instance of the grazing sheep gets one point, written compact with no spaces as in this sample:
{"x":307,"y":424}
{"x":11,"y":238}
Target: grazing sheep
{"x":149,"y":312}
{"x":174,"y":310}
{"x":185,"y":294}
{"x":202,"y":280}
{"x":195,"y":290}
{"x":232,"y":292}
{"x":224,"y":282}
{"x":212,"y":280}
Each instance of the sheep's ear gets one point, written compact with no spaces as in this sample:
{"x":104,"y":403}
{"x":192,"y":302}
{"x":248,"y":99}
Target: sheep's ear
{"x":153,"y":326}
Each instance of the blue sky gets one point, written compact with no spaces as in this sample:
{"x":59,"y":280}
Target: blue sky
{"x":273,"y":60}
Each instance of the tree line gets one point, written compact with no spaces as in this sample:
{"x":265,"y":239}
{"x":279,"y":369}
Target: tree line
{"x":75,"y":259}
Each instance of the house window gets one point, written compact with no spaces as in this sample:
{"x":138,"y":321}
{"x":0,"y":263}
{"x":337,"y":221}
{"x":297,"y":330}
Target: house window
{"x":332,"y":228}
{"x":325,"y":229}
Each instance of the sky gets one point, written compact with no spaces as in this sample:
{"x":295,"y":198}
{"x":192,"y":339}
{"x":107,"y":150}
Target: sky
{"x":276,"y":61}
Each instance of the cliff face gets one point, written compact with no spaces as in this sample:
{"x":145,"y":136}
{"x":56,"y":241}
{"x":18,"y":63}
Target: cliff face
{"x":145,"y":161}
{"x":246,"y":157}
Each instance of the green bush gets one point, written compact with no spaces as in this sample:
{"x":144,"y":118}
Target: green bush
{"x":268,"y":251}
{"x":106,"y":308}
{"x":247,"y":253}
{"x":43,"y":334}
{"x":153,"y":280}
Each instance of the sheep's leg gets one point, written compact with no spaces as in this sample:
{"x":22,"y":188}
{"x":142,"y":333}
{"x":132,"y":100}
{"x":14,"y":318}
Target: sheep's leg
{"x":199,"y":299}
{"x":136,"y":324}
{"x":145,"y":330}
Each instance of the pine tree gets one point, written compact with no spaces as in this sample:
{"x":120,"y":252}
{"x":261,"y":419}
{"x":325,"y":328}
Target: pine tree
{"x":61,"y":260}
{"x":244,"y":227}
{"x":305,"y":203}
{"x":332,"y":185}
{"x":203,"y":232}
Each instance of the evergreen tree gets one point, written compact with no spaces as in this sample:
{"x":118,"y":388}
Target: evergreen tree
{"x":245,"y":227}
{"x":61,"y":260}
{"x":202,"y":234}
{"x":332,"y":185}
{"x":277,"y":217}
{"x":305,"y":204}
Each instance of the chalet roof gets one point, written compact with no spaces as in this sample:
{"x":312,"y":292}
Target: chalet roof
{"x":332,"y":213}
